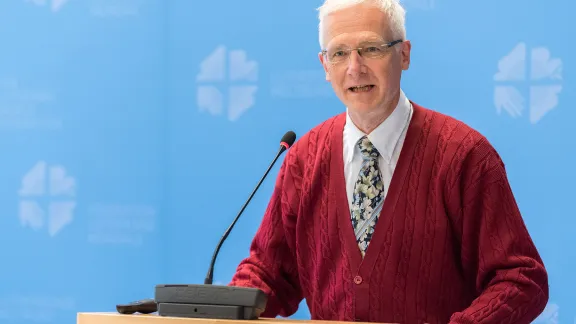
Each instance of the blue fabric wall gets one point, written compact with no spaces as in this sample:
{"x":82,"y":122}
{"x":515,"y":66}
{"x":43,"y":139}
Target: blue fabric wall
{"x":131,"y":132}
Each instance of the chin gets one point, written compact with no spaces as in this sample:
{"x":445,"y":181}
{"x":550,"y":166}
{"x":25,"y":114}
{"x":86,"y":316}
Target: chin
{"x":361,"y":107}
{"x":363,"y":104}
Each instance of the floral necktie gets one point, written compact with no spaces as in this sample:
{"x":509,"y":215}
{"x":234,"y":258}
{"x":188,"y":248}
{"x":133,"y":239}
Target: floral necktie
{"x":368,"y":195}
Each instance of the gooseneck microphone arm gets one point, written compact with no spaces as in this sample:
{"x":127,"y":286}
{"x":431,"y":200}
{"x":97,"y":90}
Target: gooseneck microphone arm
{"x":287,"y":141}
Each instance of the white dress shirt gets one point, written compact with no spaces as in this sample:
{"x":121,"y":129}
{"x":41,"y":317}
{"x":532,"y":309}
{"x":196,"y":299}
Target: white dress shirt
{"x":388,"y":139}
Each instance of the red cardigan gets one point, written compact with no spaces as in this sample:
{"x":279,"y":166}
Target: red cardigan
{"x":450,"y":245}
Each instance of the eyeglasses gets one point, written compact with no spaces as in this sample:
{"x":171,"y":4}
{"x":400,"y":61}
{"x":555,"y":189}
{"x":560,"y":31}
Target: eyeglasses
{"x":372,"y":50}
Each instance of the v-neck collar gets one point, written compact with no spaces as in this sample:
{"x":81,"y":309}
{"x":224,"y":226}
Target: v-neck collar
{"x":363,"y":266}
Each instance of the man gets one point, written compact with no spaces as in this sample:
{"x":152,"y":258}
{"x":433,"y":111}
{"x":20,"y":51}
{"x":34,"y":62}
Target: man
{"x":391,"y":212}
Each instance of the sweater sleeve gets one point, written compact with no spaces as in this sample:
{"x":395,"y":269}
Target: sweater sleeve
{"x":497,"y":253}
{"x":271,"y":264}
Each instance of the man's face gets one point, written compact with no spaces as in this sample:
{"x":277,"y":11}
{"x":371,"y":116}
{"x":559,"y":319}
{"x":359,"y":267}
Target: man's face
{"x":378,"y":70}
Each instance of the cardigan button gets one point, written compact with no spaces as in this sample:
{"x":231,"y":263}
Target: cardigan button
{"x":357,"y":280}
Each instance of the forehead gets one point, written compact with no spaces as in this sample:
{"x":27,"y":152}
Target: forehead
{"x":356,"y":24}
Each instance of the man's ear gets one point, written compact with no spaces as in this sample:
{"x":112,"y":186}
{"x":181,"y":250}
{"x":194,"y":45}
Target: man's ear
{"x":324,"y":66}
{"x":405,"y":53}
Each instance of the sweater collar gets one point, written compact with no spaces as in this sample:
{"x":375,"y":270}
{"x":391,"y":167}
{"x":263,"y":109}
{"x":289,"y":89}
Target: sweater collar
{"x":385,"y":137}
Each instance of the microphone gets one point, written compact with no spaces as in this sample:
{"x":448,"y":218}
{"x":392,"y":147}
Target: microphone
{"x":222,"y":302}
{"x":285,"y":143}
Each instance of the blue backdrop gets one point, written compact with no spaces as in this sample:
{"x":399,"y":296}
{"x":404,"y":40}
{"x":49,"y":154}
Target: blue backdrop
{"x":113,"y":114}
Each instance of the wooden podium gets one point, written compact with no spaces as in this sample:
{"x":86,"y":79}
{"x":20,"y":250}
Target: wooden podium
{"x":115,"y":318}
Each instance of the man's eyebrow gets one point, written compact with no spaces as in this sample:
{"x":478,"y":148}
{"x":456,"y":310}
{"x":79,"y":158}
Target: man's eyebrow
{"x":340,"y":45}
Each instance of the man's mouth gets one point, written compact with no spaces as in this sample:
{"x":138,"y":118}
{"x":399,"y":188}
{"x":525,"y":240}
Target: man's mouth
{"x":362,"y":88}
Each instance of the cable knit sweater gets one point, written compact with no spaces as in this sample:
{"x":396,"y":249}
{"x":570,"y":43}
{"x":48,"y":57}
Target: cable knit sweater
{"x":450,"y":245}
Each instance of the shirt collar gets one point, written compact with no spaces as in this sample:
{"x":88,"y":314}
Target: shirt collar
{"x":385,"y":136}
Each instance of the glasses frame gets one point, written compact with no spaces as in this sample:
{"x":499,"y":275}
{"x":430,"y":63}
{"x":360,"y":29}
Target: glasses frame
{"x":386,"y":46}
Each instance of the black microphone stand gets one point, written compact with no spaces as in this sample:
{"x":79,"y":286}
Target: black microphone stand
{"x":214,"y":301}
{"x":210,"y":274}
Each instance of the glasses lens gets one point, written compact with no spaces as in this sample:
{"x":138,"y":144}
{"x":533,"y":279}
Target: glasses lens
{"x":373,"y":50}
{"x":335,"y":55}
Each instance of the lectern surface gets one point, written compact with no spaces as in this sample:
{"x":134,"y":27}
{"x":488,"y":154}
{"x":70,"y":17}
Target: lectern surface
{"x":114,"y":318}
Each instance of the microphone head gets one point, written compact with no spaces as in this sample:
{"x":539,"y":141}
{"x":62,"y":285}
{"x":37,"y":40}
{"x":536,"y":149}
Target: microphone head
{"x":288,"y":139}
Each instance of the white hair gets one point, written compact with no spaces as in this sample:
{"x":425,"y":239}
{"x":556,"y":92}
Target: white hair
{"x":392,"y":8}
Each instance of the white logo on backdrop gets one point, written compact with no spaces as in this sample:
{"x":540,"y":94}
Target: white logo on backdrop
{"x":47,"y":198}
{"x":22,"y":108}
{"x":227,"y":83}
{"x":120,"y":224}
{"x":300,"y":84}
{"x":54,"y":5}
{"x":536,"y":76}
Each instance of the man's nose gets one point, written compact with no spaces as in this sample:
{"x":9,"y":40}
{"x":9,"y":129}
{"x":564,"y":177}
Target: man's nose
{"x":355,"y":63}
